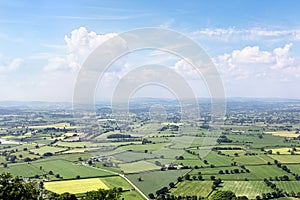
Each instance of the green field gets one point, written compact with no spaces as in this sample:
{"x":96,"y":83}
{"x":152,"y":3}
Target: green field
{"x":267,"y":171}
{"x":24,"y":169}
{"x":251,"y":189}
{"x":129,"y":156}
{"x":69,"y":170}
{"x":75,"y":186}
{"x":47,"y":149}
{"x":257,"y":159}
{"x":138,"y":166}
{"x":288,"y":186}
{"x":286,"y":158}
{"x":199,"y":188}
{"x":153,"y":181}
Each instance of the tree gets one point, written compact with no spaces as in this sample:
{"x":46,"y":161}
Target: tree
{"x":16,"y":188}
{"x":151,"y":196}
{"x":223,"y":195}
{"x":102,"y":194}
{"x":172,"y":185}
{"x":64,"y":196}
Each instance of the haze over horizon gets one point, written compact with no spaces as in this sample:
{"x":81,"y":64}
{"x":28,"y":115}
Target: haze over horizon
{"x":253,"y":44}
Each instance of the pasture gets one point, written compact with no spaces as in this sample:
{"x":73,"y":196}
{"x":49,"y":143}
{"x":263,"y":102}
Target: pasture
{"x":69,"y":170}
{"x":251,"y":189}
{"x":138,"y":166}
{"x":153,"y":181}
{"x":199,"y":188}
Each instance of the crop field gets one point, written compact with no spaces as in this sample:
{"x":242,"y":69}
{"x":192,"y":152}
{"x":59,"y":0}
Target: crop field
{"x":199,"y":188}
{"x":47,"y":149}
{"x":153,"y":181}
{"x":69,"y":170}
{"x":246,"y":188}
{"x":255,"y":159}
{"x":286,"y":158}
{"x":284,"y":151}
{"x":218,"y":160}
{"x":288,"y":186}
{"x":268,"y":171}
{"x":283,"y":133}
{"x":75,"y":186}
{"x":294,"y":168}
{"x":138,"y":166}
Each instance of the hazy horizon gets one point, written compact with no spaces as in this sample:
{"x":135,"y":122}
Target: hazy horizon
{"x":254,"y":46}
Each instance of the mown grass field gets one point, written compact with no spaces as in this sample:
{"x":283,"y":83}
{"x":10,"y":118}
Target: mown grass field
{"x":46,"y":149}
{"x":153,"y":181}
{"x":286,"y":158}
{"x":75,"y":186}
{"x":199,"y":188}
{"x":268,"y":171}
{"x":138,"y":166}
{"x":23,"y":169}
{"x":288,"y":186}
{"x":255,"y":159}
{"x":246,"y":188}
{"x":129,"y":156}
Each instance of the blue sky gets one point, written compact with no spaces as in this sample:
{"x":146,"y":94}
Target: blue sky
{"x":254,"y":44}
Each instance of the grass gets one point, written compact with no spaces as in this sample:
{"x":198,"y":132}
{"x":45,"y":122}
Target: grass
{"x":68,"y":169}
{"x":115,"y":182}
{"x":218,"y":160}
{"x":153,"y":181}
{"x":129,"y":156}
{"x":288,"y":186}
{"x":251,"y":189}
{"x":286,"y":158}
{"x":267,"y":171}
{"x":46,"y":149}
{"x":75,"y":186}
{"x":191,"y":188}
{"x":249,"y":160}
{"x":23,"y":169}
{"x":143,"y":147}
{"x":138,"y":166}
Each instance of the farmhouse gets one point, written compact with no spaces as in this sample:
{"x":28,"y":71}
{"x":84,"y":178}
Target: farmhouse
{"x":173,"y":166}
{"x":99,"y":158}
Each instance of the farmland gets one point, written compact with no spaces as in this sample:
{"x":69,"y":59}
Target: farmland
{"x":75,"y":186}
{"x":250,"y":153}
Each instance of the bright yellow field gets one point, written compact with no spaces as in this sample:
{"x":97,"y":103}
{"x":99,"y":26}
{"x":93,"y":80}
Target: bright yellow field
{"x":75,"y":186}
{"x":57,"y":125}
{"x":284,"y":151}
{"x":284,"y":133}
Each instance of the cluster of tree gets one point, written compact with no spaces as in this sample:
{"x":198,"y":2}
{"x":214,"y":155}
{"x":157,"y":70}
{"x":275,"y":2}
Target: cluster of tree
{"x":233,"y":171}
{"x":17,"y":188}
{"x":171,"y":127}
{"x":224,"y":139}
{"x":223,"y":195}
{"x":226,"y":148}
{"x":118,"y":135}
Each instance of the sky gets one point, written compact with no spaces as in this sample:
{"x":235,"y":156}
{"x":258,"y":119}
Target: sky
{"x":255,"y":45}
